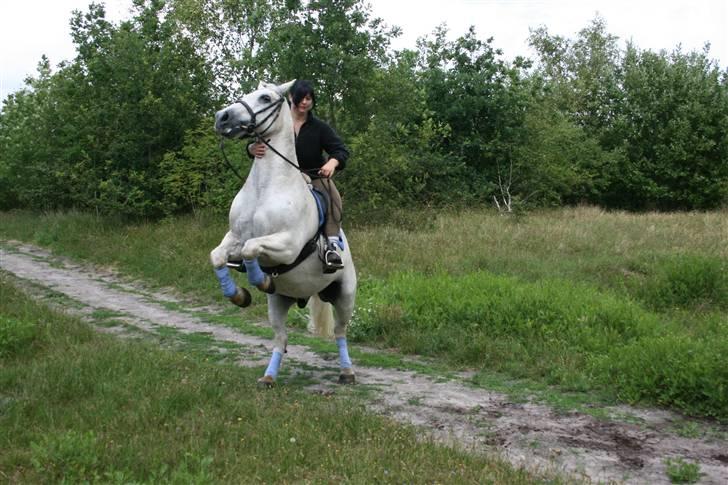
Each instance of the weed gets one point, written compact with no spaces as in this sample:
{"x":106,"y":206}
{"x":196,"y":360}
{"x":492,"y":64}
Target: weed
{"x":689,"y":281}
{"x":69,"y":455}
{"x":688,"y":429}
{"x":414,"y":401}
{"x":15,"y":335}
{"x":680,"y":471}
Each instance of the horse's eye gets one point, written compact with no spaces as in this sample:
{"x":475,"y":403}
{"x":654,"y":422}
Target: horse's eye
{"x":265,"y":98}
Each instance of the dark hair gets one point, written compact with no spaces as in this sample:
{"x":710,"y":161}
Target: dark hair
{"x":300,"y":89}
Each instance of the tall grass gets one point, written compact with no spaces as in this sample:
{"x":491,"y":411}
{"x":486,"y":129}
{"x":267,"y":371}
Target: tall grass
{"x":580,"y":244}
{"x":79,"y":407}
{"x":563,"y":333}
{"x":566,"y":296}
{"x":172,"y":253}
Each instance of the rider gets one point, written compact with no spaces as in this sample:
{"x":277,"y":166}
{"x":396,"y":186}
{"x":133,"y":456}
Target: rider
{"x":315,"y":137}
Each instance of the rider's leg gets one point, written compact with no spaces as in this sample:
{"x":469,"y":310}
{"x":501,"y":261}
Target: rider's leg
{"x":332,"y":228}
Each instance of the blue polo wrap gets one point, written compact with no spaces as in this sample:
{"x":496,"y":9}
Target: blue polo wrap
{"x":228,"y":286}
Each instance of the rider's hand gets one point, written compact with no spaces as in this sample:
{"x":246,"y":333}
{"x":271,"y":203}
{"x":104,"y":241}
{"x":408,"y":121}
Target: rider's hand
{"x":257,"y":149}
{"x":329,"y":168}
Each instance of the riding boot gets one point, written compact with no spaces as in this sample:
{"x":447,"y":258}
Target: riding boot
{"x":332,"y":258}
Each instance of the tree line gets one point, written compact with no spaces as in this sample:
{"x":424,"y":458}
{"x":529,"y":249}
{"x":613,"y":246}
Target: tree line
{"x":126,"y":126}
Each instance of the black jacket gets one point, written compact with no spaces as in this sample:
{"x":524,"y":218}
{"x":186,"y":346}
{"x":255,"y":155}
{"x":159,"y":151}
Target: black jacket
{"x":316,"y":137}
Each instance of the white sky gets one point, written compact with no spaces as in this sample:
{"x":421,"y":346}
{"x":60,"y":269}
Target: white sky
{"x":30,"y":28}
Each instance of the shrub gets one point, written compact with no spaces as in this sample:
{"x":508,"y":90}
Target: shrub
{"x":688,"y":281}
{"x":197,"y":177}
{"x":681,"y":471}
{"x":671,"y":370}
{"x":480,"y":318}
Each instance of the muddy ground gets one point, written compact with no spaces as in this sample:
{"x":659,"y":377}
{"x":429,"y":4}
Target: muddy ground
{"x":630,"y":446}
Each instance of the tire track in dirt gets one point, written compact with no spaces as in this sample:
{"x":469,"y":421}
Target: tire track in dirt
{"x":526,"y":434}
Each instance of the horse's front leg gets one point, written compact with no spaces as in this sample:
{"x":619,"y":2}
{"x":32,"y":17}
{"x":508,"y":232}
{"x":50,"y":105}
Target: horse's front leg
{"x":229,"y":246}
{"x":278,"y":306}
{"x":278,"y":247}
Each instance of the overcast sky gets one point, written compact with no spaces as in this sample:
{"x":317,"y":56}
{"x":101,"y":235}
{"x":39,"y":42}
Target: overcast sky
{"x":30,"y":28}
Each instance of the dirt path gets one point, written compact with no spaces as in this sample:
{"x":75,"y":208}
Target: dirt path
{"x":532,"y":435}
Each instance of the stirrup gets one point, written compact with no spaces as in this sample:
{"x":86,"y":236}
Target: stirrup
{"x":332,"y":260}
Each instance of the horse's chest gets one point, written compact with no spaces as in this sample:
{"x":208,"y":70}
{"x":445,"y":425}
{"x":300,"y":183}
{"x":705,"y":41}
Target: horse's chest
{"x":267,"y":217}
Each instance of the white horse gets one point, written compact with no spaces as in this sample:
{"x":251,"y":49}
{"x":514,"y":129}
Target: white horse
{"x":272,"y":218}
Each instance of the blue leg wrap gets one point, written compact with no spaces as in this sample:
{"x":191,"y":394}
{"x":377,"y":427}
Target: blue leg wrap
{"x":226,"y":282}
{"x":344,"y":359}
{"x":274,"y":364}
{"x":255,"y":274}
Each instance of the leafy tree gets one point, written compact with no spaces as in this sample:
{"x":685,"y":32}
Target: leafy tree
{"x":582,"y":75}
{"x":478,"y":96}
{"x":674,"y":131}
{"x":34,"y":137}
{"x":125,"y":127}
{"x":558,"y":162}
{"x":230,"y":36}
{"x":100,"y":125}
{"x":195,"y":176}
{"x":336,"y":44}
{"x":658,"y":118}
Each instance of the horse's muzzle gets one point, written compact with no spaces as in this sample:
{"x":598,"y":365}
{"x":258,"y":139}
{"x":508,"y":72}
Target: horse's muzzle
{"x":229,"y":126}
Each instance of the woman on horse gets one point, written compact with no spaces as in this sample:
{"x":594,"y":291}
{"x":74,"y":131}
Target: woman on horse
{"x":314,"y":137}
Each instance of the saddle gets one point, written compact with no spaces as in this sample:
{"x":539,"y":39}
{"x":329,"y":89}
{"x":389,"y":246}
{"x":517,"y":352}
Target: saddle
{"x":323,"y":200}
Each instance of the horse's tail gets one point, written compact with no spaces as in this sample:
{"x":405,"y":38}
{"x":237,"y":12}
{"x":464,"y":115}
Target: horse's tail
{"x":321,"y":317}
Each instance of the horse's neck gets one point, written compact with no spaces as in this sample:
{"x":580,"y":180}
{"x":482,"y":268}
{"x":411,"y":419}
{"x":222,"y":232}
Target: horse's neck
{"x":272,"y":171}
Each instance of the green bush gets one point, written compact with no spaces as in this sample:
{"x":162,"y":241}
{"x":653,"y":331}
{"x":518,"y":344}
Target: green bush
{"x":197,"y":177}
{"x":681,"y":471}
{"x":688,"y":281}
{"x":566,"y":334}
{"x":672,"y":370}
{"x":483,"y":319}
{"x":400,"y":166}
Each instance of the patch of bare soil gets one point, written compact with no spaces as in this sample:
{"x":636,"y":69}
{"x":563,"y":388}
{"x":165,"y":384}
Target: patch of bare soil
{"x":527,"y":434}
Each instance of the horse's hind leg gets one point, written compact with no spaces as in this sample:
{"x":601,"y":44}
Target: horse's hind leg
{"x":278,"y":306}
{"x":343,"y":309}
{"x":230,"y":245}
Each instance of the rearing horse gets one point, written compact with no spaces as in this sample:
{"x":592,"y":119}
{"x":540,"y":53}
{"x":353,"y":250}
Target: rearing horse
{"x":272,"y":218}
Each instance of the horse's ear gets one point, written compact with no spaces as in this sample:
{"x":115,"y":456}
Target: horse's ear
{"x":284,"y":88}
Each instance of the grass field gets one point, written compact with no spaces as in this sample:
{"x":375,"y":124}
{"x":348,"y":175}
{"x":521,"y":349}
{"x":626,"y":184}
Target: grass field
{"x":631,"y":305}
{"x":80,"y":407}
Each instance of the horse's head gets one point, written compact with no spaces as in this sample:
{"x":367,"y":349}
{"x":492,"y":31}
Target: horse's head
{"x":255,"y":112}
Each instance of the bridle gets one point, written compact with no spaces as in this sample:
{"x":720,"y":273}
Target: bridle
{"x":252,"y":126}
{"x":252,"y":129}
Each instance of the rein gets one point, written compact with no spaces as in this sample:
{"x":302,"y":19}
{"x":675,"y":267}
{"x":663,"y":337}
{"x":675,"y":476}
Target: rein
{"x":308,"y":172}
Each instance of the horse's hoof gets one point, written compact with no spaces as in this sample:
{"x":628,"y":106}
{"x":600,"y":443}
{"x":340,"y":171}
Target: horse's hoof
{"x":266,"y":382}
{"x":347,"y":376}
{"x":268,"y":286}
{"x":241,"y":298}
